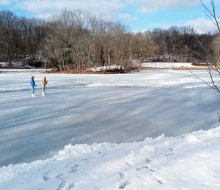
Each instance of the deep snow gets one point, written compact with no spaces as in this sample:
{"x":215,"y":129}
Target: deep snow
{"x":186,"y":162}
{"x":107,"y":118}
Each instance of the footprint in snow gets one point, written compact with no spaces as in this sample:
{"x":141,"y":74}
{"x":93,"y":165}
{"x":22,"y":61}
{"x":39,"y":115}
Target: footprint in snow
{"x":59,"y":176}
{"x":147,"y":160}
{"x":101,"y":154}
{"x":71,"y":186}
{"x":61,"y":185}
{"x":152,"y":170}
{"x":128,"y":164}
{"x":170,"y":153}
{"x":141,"y":168}
{"x":121,"y":175}
{"x":73,"y":169}
{"x":147,"y":168}
{"x":124,"y":185}
{"x":46,"y":176}
{"x":159,"y":180}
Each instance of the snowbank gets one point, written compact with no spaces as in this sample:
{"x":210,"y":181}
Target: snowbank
{"x":190,"y":161}
{"x":21,"y":70}
{"x":105,"y":68}
{"x":161,"y":65}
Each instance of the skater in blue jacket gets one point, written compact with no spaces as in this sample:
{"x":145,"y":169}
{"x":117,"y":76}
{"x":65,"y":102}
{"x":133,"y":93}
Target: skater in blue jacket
{"x":32,"y":83}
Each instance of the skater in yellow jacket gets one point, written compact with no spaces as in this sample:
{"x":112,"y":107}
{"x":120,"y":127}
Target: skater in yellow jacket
{"x":44,"y":83}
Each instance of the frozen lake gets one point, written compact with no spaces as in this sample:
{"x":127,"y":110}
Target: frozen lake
{"x":86,"y":109}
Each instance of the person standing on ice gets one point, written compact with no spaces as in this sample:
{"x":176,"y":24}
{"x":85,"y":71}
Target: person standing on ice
{"x":32,"y":83}
{"x":44,"y":83}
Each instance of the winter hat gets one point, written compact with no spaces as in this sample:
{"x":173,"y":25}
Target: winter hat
{"x":32,"y":77}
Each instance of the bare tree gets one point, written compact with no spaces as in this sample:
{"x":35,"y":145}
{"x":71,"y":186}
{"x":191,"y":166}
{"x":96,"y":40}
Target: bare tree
{"x":210,"y":11}
{"x":216,"y":48}
{"x":71,"y":40}
{"x":8,"y":33}
{"x":213,"y":58}
{"x":78,"y":40}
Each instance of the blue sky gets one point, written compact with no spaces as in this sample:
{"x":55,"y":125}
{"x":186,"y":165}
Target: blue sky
{"x":139,"y":15}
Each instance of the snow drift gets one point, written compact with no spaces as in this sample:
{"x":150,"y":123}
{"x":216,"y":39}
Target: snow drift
{"x":190,"y":161}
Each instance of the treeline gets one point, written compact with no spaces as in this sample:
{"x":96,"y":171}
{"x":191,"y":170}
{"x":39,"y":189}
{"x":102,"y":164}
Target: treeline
{"x":71,"y":40}
{"x":20,"y":38}
{"x":78,"y":40}
{"x":181,"y":44}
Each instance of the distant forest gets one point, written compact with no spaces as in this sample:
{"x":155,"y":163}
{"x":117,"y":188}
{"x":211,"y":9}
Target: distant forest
{"x":78,"y":40}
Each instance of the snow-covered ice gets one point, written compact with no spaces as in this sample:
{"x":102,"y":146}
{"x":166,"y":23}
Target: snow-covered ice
{"x":110,"y":121}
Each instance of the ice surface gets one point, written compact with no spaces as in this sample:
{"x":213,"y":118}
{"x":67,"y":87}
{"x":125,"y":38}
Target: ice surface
{"x":86,"y":109}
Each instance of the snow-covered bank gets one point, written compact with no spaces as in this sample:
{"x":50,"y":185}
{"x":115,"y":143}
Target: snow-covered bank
{"x":187,"y":162}
{"x":165,"y":65}
{"x":21,"y":70}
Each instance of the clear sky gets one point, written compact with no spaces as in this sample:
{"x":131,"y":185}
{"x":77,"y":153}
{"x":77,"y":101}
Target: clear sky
{"x":139,"y":15}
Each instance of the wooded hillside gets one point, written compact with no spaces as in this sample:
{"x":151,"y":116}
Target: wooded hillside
{"x":79,"y":40}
